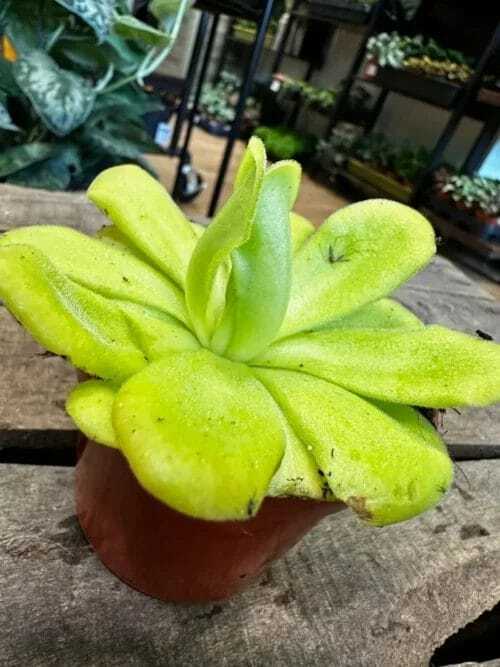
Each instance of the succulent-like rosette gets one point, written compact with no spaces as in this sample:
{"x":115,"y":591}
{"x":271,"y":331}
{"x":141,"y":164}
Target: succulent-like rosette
{"x":257,"y":357}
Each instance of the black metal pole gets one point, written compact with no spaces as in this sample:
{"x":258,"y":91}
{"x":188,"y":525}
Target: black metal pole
{"x":189,"y":82}
{"x":467,"y":96}
{"x":240,"y":107}
{"x":346,"y":86}
{"x":194,"y":108}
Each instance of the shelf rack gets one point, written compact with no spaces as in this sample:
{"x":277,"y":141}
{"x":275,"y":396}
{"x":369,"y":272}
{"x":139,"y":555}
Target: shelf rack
{"x":197,"y":70}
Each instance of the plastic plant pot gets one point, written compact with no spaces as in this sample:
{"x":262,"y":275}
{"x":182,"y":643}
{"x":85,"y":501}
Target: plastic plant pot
{"x":173,"y":557}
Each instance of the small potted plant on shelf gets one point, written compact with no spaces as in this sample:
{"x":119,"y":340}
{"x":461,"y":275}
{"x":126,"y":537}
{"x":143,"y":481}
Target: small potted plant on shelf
{"x":417,"y":66}
{"x":245,"y":380}
{"x":218,"y":103}
{"x":472,"y":202}
{"x":389,"y":168}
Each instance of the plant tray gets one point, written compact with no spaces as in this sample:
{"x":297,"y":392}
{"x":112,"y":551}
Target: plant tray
{"x":439,"y":92}
{"x":342,"y":11}
{"x":487,"y":231}
{"x":488,"y":250}
{"x":379,"y":181}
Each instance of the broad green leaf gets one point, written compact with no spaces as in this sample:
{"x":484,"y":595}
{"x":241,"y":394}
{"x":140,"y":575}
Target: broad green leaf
{"x":162,"y":9}
{"x":65,"y":318}
{"x":298,"y":474}
{"x":98,"y":14}
{"x":386,"y":470}
{"x":230,"y":229}
{"x":382,"y":314}
{"x":144,"y":212}
{"x":259,"y":284}
{"x":430,"y":366}
{"x":55,"y":173}
{"x":62,"y":99}
{"x":129,"y":27}
{"x":90,"y":406}
{"x":201,"y":434}
{"x":301,"y":229}
{"x":19,"y":157}
{"x":360,"y":254}
{"x":110,"y":271}
{"x":6,"y":122}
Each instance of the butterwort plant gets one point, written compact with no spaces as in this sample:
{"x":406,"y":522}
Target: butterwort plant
{"x":256,"y":357}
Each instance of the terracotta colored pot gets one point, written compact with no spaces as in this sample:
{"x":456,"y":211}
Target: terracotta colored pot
{"x":171,"y":556}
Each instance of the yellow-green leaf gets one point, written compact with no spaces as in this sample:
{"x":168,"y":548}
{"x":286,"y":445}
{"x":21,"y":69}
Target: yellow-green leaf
{"x":230,"y":229}
{"x":360,"y":254}
{"x":387,"y":467}
{"x":66,"y":318}
{"x":111,"y":271}
{"x":145,"y":213}
{"x":381,"y":314}
{"x":201,"y":434}
{"x":90,"y":406}
{"x":430,"y":366}
{"x":301,"y":229}
{"x":259,"y":284}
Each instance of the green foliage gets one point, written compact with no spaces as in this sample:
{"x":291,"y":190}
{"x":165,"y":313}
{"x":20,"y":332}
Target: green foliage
{"x":322,"y":99}
{"x":475,"y":192}
{"x":405,"y":161}
{"x":419,"y":54}
{"x":218,"y":101}
{"x":283,"y":143}
{"x":256,"y":357}
{"x":72,"y":101}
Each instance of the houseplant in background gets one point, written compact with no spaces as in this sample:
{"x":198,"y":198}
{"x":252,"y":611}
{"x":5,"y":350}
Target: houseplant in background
{"x":472,"y":202}
{"x":391,"y":168}
{"x":282,"y":143}
{"x":218,"y":106}
{"x":71,"y":97}
{"x":247,"y":379}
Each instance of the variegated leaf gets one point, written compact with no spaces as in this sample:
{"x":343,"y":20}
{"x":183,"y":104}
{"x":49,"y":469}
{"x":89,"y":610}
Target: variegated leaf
{"x":97,"y":13}
{"x":63,"y":99}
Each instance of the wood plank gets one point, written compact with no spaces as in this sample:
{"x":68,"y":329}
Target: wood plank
{"x":33,"y":389}
{"x":20,"y":207}
{"x":347,"y":596}
{"x":444,"y":277}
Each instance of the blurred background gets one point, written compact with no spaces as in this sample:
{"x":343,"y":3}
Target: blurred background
{"x":376,"y":98}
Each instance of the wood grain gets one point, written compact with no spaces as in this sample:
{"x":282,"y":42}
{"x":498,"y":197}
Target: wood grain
{"x":347,"y":596}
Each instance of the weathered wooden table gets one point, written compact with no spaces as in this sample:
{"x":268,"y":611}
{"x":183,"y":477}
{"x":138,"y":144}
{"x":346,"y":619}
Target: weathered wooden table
{"x":347,"y":595}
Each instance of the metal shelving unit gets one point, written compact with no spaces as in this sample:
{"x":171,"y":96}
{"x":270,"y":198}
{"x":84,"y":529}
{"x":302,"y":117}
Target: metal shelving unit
{"x":201,"y":54}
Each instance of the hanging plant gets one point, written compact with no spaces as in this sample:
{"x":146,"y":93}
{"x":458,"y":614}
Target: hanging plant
{"x":71,"y":96}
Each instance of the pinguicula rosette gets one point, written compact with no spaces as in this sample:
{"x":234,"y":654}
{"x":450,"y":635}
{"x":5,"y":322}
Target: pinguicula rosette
{"x":256,"y":357}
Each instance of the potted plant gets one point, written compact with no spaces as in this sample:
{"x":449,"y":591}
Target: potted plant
{"x":71,"y":93}
{"x":390,"y":168}
{"x":472,"y":202}
{"x":282,"y":143}
{"x":218,"y":104}
{"x":417,"y":66}
{"x":245,"y":380}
